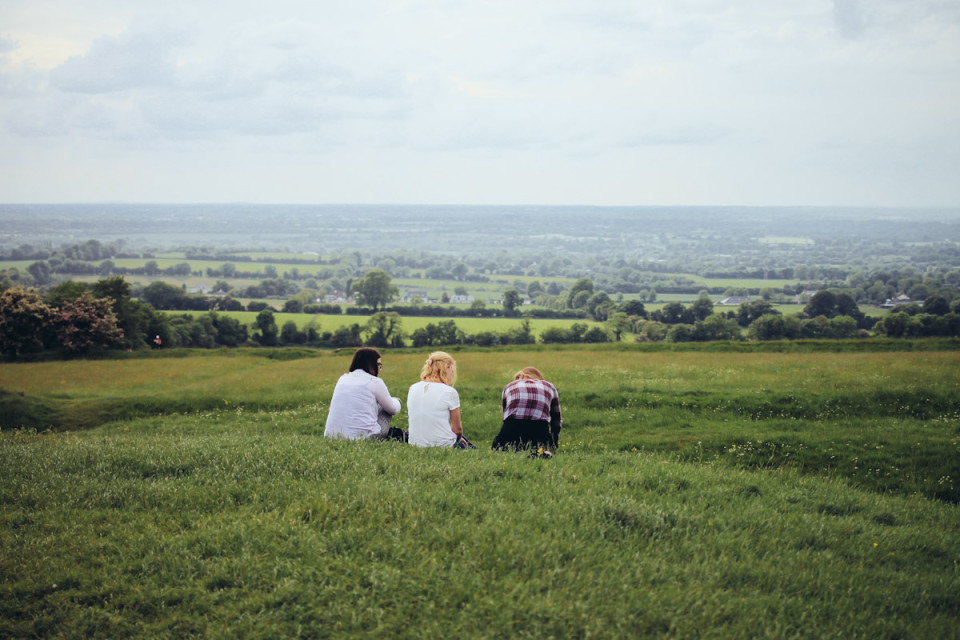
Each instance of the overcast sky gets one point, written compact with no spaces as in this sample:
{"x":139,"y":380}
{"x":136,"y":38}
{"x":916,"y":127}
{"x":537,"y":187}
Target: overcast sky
{"x":649,"y":102}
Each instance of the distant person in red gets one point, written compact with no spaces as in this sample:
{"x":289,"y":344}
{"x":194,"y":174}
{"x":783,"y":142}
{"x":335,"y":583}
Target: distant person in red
{"x":531,"y":414}
{"x":157,"y":342}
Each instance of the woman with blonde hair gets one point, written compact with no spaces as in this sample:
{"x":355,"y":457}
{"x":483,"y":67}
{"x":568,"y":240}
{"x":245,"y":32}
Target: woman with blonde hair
{"x":531,"y":414}
{"x":433,"y":405}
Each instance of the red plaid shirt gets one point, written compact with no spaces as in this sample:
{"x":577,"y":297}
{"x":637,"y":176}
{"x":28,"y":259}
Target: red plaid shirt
{"x":532,"y":400}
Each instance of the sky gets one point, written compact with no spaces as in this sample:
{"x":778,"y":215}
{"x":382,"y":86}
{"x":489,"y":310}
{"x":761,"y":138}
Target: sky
{"x":552,"y":102}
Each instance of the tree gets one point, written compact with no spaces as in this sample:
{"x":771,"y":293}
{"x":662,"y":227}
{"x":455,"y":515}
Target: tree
{"x":478,"y":306}
{"x":139,"y":321}
{"x":702,"y":308}
{"x":523,"y":334}
{"x":267,"y":327}
{"x":552,"y":335}
{"x":290,"y":334}
{"x":511,"y":300}
{"x":769,"y":326}
{"x":680,"y":333}
{"x":383,"y":329}
{"x":161,"y":295}
{"x":634,"y":308}
{"x":716,"y":327}
{"x":230,"y":331}
{"x":842,"y":327}
{"x":675,"y":313}
{"x":459,"y":271}
{"x":937,"y":305}
{"x":87,"y":324}
{"x":374,"y":289}
{"x":579,"y":293}
{"x":618,"y":323}
{"x":822,"y":303}
{"x":40,"y":272}
{"x":652,"y":331}
{"x":346,"y":336}
{"x":24,"y":320}
{"x":66,"y":291}
{"x":595,"y":335}
{"x":598,"y":305}
{"x":748,"y":312}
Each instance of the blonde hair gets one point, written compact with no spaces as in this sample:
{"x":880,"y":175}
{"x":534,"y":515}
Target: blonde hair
{"x":440,"y":365}
{"x":528,"y":373}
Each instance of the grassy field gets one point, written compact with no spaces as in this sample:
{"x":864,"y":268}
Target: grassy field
{"x":696,"y":494}
{"x":409,"y":324}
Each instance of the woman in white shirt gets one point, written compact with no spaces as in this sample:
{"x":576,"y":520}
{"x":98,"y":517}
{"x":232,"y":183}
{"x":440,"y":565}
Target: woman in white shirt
{"x":433,"y":405}
{"x":357,"y":400}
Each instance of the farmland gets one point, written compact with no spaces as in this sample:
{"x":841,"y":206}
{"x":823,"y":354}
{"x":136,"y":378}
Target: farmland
{"x":696,"y":493}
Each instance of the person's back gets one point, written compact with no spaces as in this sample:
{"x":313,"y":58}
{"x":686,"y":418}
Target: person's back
{"x":354,"y":414}
{"x":357,"y":399}
{"x":428,"y":409}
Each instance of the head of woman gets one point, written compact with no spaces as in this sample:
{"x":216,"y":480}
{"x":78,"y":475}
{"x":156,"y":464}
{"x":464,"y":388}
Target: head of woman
{"x":441,"y":366}
{"x":368,"y":360}
{"x":528,"y":373}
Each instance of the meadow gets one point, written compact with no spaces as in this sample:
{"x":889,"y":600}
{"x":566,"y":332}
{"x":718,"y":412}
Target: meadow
{"x":697,"y":493}
{"x":408,"y":324}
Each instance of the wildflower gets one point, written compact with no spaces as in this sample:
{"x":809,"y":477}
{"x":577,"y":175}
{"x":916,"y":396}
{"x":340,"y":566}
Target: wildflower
{"x":876,"y":544}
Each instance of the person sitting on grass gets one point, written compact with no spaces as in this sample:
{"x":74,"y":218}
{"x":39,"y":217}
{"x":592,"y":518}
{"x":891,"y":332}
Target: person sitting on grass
{"x":360,"y":399}
{"x":531,"y":414}
{"x":433,"y":405}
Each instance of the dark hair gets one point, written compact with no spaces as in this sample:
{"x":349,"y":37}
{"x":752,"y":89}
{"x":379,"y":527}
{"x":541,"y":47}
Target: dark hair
{"x":366,"y":359}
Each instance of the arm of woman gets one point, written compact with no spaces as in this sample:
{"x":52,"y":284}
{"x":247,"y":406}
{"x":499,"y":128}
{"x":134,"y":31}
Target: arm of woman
{"x":380,"y":392}
{"x":455,"y":425}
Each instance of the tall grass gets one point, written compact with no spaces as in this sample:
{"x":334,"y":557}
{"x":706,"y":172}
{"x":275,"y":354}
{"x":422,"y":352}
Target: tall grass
{"x":239,"y":525}
{"x":695,"y":495}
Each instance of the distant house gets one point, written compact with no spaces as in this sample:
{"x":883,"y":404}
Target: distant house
{"x":893,"y":302}
{"x":337,"y":297}
{"x":203,"y":289}
{"x":804,"y":297}
{"x":409,"y":295}
{"x":734,"y":301}
{"x":462,"y":299}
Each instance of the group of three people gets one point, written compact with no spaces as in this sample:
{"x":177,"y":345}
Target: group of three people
{"x":361,"y":407}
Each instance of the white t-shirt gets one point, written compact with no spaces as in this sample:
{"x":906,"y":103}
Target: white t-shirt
{"x":355,"y":404}
{"x":428,"y":411}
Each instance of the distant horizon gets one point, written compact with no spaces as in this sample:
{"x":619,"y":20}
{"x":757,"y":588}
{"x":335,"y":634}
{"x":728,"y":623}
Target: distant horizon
{"x":471,"y":204}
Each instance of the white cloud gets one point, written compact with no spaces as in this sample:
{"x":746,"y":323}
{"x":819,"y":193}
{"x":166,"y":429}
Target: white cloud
{"x":762,"y":96}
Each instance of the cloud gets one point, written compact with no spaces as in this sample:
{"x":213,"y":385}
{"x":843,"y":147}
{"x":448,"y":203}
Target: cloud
{"x":590,"y":91}
{"x":8,"y":44}
{"x":848,"y":18}
{"x":134,"y":60}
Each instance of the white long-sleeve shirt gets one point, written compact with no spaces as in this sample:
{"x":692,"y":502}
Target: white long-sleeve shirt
{"x":354,"y":406}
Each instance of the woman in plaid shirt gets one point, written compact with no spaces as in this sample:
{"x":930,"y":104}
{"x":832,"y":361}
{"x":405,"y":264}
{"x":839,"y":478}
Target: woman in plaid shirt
{"x":531,"y":414}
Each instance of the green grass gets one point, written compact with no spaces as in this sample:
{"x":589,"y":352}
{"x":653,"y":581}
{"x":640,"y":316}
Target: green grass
{"x":697,"y":494}
{"x":409,"y":324}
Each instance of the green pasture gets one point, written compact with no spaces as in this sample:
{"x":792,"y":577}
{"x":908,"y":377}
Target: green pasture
{"x":409,"y":324}
{"x":695,"y":494}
